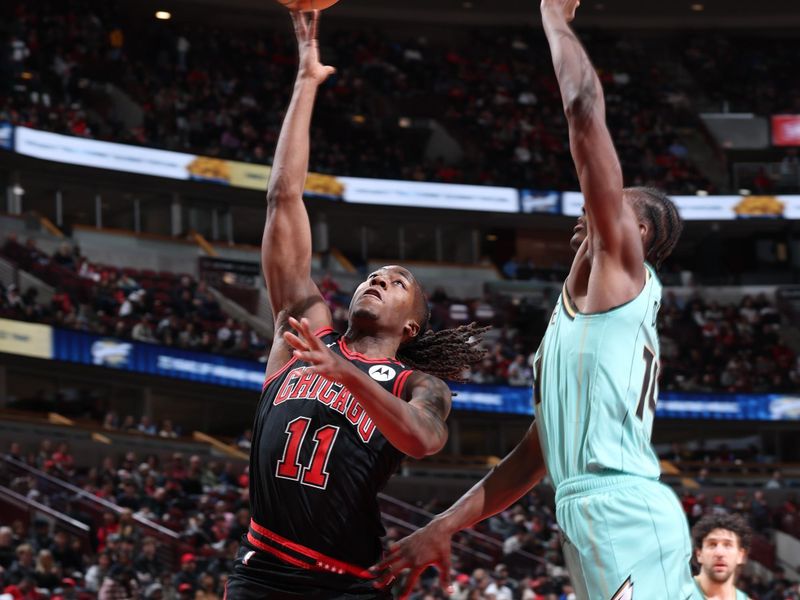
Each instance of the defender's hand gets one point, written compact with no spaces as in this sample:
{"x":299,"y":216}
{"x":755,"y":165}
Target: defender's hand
{"x":306,"y":33}
{"x":565,"y":7}
{"x":309,"y":348}
{"x":427,"y":546}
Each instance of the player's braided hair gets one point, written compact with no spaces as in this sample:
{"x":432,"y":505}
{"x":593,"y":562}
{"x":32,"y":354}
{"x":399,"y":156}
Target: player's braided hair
{"x":444,"y":354}
{"x":662,"y":214}
{"x":730,"y":522}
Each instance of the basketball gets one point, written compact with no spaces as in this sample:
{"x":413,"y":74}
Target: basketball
{"x":307,"y":5}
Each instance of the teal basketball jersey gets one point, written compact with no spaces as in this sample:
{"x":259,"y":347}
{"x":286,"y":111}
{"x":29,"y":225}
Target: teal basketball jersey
{"x":596,"y":385}
{"x":740,"y":595}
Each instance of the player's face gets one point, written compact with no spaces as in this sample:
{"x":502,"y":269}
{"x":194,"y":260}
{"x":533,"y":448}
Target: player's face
{"x":579,"y":232}
{"x":720,"y":555}
{"x":388,"y":294}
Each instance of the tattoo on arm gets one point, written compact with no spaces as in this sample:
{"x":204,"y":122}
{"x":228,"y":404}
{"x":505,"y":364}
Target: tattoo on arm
{"x":432,"y":397}
{"x":575,"y":65}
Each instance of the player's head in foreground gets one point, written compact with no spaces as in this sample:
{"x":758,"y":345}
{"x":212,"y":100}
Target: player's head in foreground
{"x":391,"y":303}
{"x":659,"y":223}
{"x":721,"y":544}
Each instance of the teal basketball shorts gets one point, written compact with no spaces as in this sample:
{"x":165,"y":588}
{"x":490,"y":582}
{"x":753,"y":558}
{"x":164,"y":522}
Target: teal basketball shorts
{"x":625,"y":538}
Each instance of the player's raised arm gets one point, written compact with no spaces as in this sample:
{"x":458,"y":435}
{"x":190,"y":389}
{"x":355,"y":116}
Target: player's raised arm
{"x":593,"y":151}
{"x":286,"y":244}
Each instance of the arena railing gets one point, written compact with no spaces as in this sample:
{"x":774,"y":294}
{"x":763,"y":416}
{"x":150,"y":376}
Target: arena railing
{"x":15,"y":505}
{"x":88,"y":508}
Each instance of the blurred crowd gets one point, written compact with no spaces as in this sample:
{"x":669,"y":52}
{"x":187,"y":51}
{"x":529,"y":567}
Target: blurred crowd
{"x":706,"y":346}
{"x":205,"y":503}
{"x":709,"y":346}
{"x":479,"y":106}
{"x":145,"y":306}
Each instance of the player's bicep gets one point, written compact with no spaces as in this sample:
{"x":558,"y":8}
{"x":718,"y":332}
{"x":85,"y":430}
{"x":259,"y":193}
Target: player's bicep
{"x":286,"y":253}
{"x":599,"y":174}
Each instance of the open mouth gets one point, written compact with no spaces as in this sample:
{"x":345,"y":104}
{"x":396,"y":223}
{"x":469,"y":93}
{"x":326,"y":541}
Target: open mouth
{"x":373,"y":292}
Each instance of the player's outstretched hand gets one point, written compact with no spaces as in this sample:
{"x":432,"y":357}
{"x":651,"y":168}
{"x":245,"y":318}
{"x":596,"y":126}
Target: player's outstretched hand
{"x":427,"y":546}
{"x":565,"y":7}
{"x":311,"y":349}
{"x":306,"y":33}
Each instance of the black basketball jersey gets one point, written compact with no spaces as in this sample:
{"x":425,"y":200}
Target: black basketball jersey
{"x":317,"y":463}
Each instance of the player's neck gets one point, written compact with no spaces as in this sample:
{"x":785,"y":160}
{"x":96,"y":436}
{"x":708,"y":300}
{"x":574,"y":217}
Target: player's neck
{"x":371,"y":345}
{"x":716,"y":591}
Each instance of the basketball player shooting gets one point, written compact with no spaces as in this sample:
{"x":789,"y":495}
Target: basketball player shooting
{"x":337,"y":412}
{"x":625,"y":534}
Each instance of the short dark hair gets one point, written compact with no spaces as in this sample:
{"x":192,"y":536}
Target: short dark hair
{"x":730,"y":522}
{"x":661,"y":213}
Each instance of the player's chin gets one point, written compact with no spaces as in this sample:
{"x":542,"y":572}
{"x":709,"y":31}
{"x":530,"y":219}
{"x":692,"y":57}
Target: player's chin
{"x":721,"y":575}
{"x":364,"y":313}
{"x":576,"y":240}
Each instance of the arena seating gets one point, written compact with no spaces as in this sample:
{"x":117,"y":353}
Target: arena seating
{"x":491,"y":96}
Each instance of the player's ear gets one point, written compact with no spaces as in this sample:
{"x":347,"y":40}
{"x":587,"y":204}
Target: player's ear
{"x":411,"y":329}
{"x":742,"y":557}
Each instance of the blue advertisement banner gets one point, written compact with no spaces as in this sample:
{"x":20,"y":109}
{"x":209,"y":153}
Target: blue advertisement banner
{"x":736,"y":407}
{"x":6,"y":135}
{"x":153,"y":359}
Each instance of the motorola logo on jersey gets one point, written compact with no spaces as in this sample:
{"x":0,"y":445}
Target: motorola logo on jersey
{"x":382,"y":373}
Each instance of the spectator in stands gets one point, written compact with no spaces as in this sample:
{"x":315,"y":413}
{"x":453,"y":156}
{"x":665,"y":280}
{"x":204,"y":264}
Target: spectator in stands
{"x":166,"y":429}
{"x":129,"y":498}
{"x":188,"y":573}
{"x":64,"y":554}
{"x":7,"y":554}
{"x":119,"y":584}
{"x":143,"y":330}
{"x":23,"y":567}
{"x":519,"y":373}
{"x":63,"y":459}
{"x":110,"y":526}
{"x":499,"y":587}
{"x":40,"y":538}
{"x":775,"y":481}
{"x":146,"y":426}
{"x":48,"y":575}
{"x":148,"y":566}
{"x":245,"y":440}
{"x":208,"y":588}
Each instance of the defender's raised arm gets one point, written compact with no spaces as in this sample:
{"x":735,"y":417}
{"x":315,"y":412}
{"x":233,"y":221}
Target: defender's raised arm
{"x":286,"y":245}
{"x":593,"y":151}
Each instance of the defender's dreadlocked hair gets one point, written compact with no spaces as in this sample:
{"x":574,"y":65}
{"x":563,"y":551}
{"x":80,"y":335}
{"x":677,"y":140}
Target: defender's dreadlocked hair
{"x":664,"y":219}
{"x":446,"y":353}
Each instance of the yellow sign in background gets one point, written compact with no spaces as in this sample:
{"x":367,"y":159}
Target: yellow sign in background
{"x":27,"y":339}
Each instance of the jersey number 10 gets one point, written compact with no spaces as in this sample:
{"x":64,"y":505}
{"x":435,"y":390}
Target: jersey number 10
{"x":649,"y":383}
{"x":315,"y":474}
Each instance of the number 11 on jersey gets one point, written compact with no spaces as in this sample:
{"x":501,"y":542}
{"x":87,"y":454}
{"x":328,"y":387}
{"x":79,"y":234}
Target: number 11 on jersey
{"x":315,"y":474}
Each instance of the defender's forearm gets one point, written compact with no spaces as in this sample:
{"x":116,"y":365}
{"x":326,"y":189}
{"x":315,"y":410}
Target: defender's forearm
{"x":290,"y":165}
{"x":581,"y":91}
{"x":505,"y":484}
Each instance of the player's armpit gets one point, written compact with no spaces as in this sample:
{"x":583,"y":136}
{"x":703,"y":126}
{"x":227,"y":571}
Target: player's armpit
{"x":432,"y":400}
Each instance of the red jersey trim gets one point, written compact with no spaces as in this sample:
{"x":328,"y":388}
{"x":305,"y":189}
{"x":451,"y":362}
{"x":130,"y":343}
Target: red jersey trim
{"x":400,"y":383}
{"x":321,"y":562}
{"x":275,"y":552}
{"x":278,"y":373}
{"x":352,"y":354}
{"x":318,"y":333}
